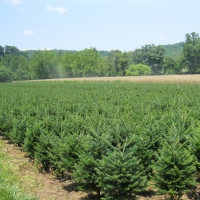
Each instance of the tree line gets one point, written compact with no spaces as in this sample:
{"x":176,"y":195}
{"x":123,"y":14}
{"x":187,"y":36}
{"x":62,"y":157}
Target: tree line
{"x":147,"y":60}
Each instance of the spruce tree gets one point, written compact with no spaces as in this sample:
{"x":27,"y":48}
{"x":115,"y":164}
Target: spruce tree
{"x":175,"y":169}
{"x":41,"y":150}
{"x":196,"y":147}
{"x":32,"y":136}
{"x":121,"y":174}
{"x":65,"y":152}
{"x":17,"y":134}
{"x":93,"y":149}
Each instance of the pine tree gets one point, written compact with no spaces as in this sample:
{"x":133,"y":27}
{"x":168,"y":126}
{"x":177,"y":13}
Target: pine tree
{"x":121,"y":173}
{"x":175,"y":169}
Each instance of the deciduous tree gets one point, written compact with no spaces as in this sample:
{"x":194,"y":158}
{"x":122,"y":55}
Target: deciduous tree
{"x":138,"y":70}
{"x":191,"y":52}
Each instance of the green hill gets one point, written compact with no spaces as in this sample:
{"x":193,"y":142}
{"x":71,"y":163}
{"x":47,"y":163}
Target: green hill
{"x":174,"y":50}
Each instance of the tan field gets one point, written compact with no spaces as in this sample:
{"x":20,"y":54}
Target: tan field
{"x":187,"y":79}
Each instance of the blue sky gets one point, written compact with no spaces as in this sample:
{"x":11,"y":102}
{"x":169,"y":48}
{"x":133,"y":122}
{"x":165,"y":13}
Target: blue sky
{"x":103,"y":24}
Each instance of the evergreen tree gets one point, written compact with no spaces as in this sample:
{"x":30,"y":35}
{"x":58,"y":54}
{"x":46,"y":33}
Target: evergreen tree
{"x":17,"y":134}
{"x":41,"y":150}
{"x":196,"y":147}
{"x":65,"y":152}
{"x":121,"y":173}
{"x":92,"y":151}
{"x":175,"y":169}
{"x":32,"y":136}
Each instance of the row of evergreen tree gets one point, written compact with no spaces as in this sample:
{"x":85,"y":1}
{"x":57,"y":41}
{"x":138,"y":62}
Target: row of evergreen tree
{"x":148,"y":60}
{"x":115,"y":165}
{"x":114,"y":143}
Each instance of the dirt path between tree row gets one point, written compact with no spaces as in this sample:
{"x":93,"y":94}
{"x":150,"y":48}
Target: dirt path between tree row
{"x":45,"y":185}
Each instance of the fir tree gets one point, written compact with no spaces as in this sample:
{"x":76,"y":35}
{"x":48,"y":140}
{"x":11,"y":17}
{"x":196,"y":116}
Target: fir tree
{"x":121,"y":173}
{"x":17,"y":134}
{"x":65,"y":152}
{"x":32,"y":136}
{"x":196,"y":147}
{"x":41,"y":150}
{"x":91,"y":153}
{"x":174,"y":170}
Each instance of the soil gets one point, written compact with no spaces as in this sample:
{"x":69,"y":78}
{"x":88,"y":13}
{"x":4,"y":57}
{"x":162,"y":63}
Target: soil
{"x":44,"y":185}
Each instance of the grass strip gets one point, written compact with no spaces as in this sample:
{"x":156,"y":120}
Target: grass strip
{"x":10,"y":187}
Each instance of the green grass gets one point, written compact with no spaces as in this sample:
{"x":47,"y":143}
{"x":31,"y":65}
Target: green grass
{"x":10,"y":188}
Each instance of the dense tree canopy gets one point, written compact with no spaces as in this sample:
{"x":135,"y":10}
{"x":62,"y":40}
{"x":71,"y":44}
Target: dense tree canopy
{"x":84,"y":63}
{"x":138,"y":70}
{"x":150,"y":55}
{"x":1,"y":52}
{"x":5,"y":74}
{"x":44,"y":65}
{"x":183,"y":57}
{"x":191,"y":52}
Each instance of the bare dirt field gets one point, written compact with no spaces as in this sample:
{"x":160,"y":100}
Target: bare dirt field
{"x":187,"y":79}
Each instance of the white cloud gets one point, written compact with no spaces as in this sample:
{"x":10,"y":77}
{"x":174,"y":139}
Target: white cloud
{"x":161,"y":37}
{"x":28,"y":32}
{"x":57,"y":9}
{"x":61,"y":10}
{"x":15,"y":2}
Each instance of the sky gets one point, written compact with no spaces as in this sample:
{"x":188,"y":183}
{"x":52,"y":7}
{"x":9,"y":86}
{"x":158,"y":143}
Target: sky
{"x":104,"y":24}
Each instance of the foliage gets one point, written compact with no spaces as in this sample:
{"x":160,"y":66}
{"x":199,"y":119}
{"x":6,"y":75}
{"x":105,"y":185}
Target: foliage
{"x":75,"y":128}
{"x":64,"y":153}
{"x":150,"y":55}
{"x":83,"y":63}
{"x":178,"y":58}
{"x":175,"y":168}
{"x":174,"y":51}
{"x":117,"y":63}
{"x":138,"y":70}
{"x":20,"y":68}
{"x":11,"y":50}
{"x":196,"y":147}
{"x":5,"y":74}
{"x":121,"y":173}
{"x":44,"y":65}
{"x":191,"y":52}
{"x":1,"y":52}
{"x":169,"y":65}
{"x":93,"y":149}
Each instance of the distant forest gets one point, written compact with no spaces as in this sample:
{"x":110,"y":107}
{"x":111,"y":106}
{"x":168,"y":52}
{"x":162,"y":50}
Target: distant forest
{"x":180,"y":58}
